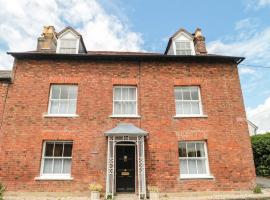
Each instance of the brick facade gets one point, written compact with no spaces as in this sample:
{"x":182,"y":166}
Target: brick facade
{"x":25,"y":127}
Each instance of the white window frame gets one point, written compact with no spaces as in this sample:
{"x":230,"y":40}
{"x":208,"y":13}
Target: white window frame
{"x":192,"y":52}
{"x":196,"y":176}
{"x":201,"y":114}
{"x":62,"y":176}
{"x":49,"y":114}
{"x":127,"y":115}
{"x":59,"y":45}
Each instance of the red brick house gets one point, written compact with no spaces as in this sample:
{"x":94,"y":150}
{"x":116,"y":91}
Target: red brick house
{"x":126,"y":120}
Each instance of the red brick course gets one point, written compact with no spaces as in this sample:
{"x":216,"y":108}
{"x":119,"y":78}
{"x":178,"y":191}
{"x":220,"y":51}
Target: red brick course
{"x":24,"y":127}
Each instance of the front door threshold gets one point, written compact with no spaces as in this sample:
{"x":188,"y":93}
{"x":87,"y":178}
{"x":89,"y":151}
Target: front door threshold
{"x":126,"y":196}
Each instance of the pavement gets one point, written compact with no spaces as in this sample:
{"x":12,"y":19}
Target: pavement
{"x":263,"y":182}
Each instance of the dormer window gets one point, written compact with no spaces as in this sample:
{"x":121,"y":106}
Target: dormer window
{"x":68,"y":46}
{"x":70,"y":42}
{"x":183,"y":48}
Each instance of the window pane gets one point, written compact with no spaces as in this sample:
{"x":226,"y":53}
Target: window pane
{"x":191,"y":149}
{"x":125,"y":94}
{"x":178,"y":94}
{"x":179,"y":109}
{"x":132,"y":93}
{"x":57,"y":167}
{"x":67,"y":166}
{"x":178,"y":45}
{"x":186,"y":108}
{"x":192,"y":167}
{"x":131,"y":108}
{"x":68,"y":150}
{"x":49,"y":149}
{"x":67,"y":50}
{"x":201,"y":166}
{"x":47,"y":168}
{"x":187,"y":45}
{"x":117,"y":94}
{"x":72,"y":107}
{"x":200,"y":150}
{"x":195,"y":107}
{"x":182,"y":150}
{"x":58,"y":149}
{"x":73,"y":92}
{"x":125,"y":108}
{"x":194,"y":93}
{"x":63,"y":106}
{"x":183,"y":167}
{"x":68,"y":43}
{"x":186,"y":93}
{"x":55,"y":91}
{"x":64,"y":92}
{"x":54,"y":106}
{"x":117,"y":108}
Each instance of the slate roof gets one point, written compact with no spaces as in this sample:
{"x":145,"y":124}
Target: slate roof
{"x":126,"y":129}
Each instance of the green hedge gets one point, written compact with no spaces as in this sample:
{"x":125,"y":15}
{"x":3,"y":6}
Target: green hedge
{"x":261,"y":153}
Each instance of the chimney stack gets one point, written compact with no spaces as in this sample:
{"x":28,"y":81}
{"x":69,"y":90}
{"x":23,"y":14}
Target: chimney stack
{"x":48,"y":40}
{"x":199,"y":42}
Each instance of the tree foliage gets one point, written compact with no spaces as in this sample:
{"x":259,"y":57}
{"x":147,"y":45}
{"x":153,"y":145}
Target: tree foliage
{"x":261,"y":153}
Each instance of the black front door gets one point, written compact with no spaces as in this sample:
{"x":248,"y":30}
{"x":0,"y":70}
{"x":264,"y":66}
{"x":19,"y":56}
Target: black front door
{"x":125,"y":168}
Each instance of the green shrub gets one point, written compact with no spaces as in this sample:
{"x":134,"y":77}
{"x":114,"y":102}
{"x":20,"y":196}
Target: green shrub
{"x":261,"y":153}
{"x":257,"y":189}
{"x":2,"y":190}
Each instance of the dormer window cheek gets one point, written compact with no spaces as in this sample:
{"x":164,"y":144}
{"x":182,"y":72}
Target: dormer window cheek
{"x":183,"y":48}
{"x":68,"y":46}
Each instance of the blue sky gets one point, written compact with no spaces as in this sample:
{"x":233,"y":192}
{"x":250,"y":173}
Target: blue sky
{"x":231,"y":27}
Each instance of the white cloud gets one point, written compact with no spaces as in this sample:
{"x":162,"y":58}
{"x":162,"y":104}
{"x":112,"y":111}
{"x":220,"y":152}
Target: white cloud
{"x":256,"y":4}
{"x":246,"y":70}
{"x":255,"y":48}
{"x":260,"y":116}
{"x":22,"y":21}
{"x":263,"y":3}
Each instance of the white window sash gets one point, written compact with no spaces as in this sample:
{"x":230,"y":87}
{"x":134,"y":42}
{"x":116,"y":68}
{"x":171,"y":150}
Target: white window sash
{"x":75,"y":48}
{"x":123,"y":101}
{"x":68,"y":99}
{"x":185,"y":50}
{"x":55,"y":175}
{"x":205,"y":158}
{"x":189,"y":101}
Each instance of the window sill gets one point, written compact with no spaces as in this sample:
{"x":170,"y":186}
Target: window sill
{"x":125,"y":116}
{"x":54,"y":178}
{"x":64,"y":116}
{"x":190,"y":116}
{"x":187,"y":177}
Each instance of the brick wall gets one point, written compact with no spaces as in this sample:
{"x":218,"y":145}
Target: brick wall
{"x":25,"y":128}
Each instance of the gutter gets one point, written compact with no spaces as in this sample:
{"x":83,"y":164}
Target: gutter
{"x":143,"y":57}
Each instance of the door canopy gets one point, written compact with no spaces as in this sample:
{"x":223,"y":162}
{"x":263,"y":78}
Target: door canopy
{"x":126,"y":129}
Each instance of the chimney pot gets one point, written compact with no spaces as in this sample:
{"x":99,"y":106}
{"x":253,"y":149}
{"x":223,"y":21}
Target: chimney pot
{"x":48,"y":40}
